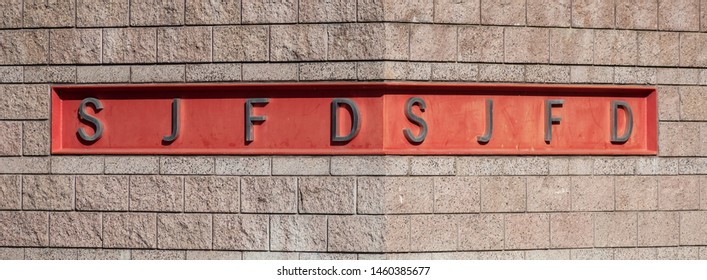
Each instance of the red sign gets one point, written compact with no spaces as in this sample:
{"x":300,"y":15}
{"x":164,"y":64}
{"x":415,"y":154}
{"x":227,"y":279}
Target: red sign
{"x":354,"y":118}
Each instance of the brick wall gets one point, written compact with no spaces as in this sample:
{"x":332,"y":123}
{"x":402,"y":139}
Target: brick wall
{"x":358,"y":207}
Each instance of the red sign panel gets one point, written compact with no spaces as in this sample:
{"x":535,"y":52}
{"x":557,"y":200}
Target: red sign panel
{"x":354,"y":118}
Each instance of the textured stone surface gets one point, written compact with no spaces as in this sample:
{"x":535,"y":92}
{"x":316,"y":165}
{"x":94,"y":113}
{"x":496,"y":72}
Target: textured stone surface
{"x":213,"y":72}
{"x":242,"y":166}
{"x":592,"y":74}
{"x":679,"y":139}
{"x":240,"y":43}
{"x":424,"y":42}
{"x":75,"y":46}
{"x":678,"y":15}
{"x":678,"y":193}
{"x":549,"y":12}
{"x":369,"y":165}
{"x":102,"y":254}
{"x":432,"y":165}
{"x":636,"y":193}
{"x":50,"y":254}
{"x":156,"y":12}
{"x":678,"y":76}
{"x":298,"y":233}
{"x":693,"y":228}
{"x":47,"y":192}
{"x":24,"y":165}
{"x":327,"y":11}
{"x":24,"y":46}
{"x":637,"y":14}
{"x":503,"y":194}
{"x":102,"y":193}
{"x":184,"y":231}
{"x":11,"y":138}
{"x":571,"y":230}
{"x":214,"y":255}
{"x":156,"y":193}
{"x":270,"y":72}
{"x":504,"y":12}
{"x":75,"y":229}
{"x":548,"y":194}
{"x":481,"y":232}
{"x":362,"y":41}
{"x":615,"y":47}
{"x":593,"y":13}
{"x":212,"y":194}
{"x":10,"y":192}
{"x":456,"y":195}
{"x":327,"y":71}
{"x":213,"y":12}
{"x":527,"y":231}
{"x":526,"y":45}
{"x":11,"y":74}
{"x":300,"y":165}
{"x":547,"y":73}
{"x":132,"y":165}
{"x":240,"y":232}
{"x":102,"y":74}
{"x":157,"y":73}
{"x":692,"y":51}
{"x":658,"y":228}
{"x":327,"y":195}
{"x":455,"y":11}
{"x":50,"y":74}
{"x":298,"y":42}
{"x":454,"y":72}
{"x":130,"y":230}
{"x":184,"y":44}
{"x":12,"y":254}
{"x":618,"y":229}
{"x":24,"y":228}
{"x":594,"y":193}
{"x":433,"y":233}
{"x":129,"y":45}
{"x":395,"y":10}
{"x":693,"y":101}
{"x":94,"y":13}
{"x":41,"y":13}
{"x":501,"y":73}
{"x":77,"y":164}
{"x":575,"y":46}
{"x":158,"y":255}
{"x":11,"y":14}
{"x":394,"y":195}
{"x":368,"y":233}
{"x":633,"y":75}
{"x":269,"y":195}
{"x":187,"y":165}
{"x":283,"y":11}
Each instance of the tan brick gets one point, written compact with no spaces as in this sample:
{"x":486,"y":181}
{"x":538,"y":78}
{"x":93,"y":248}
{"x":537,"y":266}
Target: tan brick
{"x":24,"y":165}
{"x":298,"y":233}
{"x":43,"y":192}
{"x":157,"y":193}
{"x":635,"y":253}
{"x":132,"y":165}
{"x":11,"y":74}
{"x":547,"y":74}
{"x":327,"y":71}
{"x":456,"y":195}
{"x":10,"y":192}
{"x":157,"y":255}
{"x":11,"y":138}
{"x":636,"y":193}
{"x":328,"y":256}
{"x":270,"y":72}
{"x":693,"y":101}
{"x":479,"y":166}
{"x":214,"y":255}
{"x":693,"y":166}
{"x":327,"y":11}
{"x":679,"y":15}
{"x":240,"y":43}
{"x":526,"y":45}
{"x":211,"y":194}
{"x":703,"y":192}
{"x":593,"y":254}
{"x":213,"y":72}
{"x":693,"y":228}
{"x":187,"y":165}
{"x":481,"y":232}
{"x":678,"y":253}
{"x":658,"y":48}
{"x":300,"y":165}
{"x":156,"y":12}
{"x":406,"y":71}
{"x":213,"y":12}
{"x":298,"y":42}
{"x":571,"y":230}
{"x":184,"y":44}
{"x":614,"y":166}
{"x":369,"y":165}
{"x":42,"y":13}
{"x":592,"y":74}
{"x":678,"y":76}
{"x":271,"y":256}
{"x":433,"y":233}
{"x":454,"y":72}
{"x":77,"y":164}
{"x":592,"y":193}
{"x":129,"y":230}
{"x":365,"y":233}
{"x":363,"y":41}
{"x":635,"y":75}
{"x":157,"y":73}
{"x":504,"y":12}
{"x":637,"y":14}
{"x":102,"y":74}
{"x":396,"y":10}
{"x":24,"y":46}
{"x":503,"y":194}
{"x":432,"y":165}
{"x":571,"y":46}
{"x":615,"y":47}
{"x":50,"y":254}
{"x":679,"y":139}
{"x":656,"y":166}
{"x":106,"y":193}
{"x":129,"y":45}
{"x":240,"y":232}
{"x":668,"y":103}
{"x":94,"y":13}
{"x":547,"y":255}
{"x":102,"y":254}
{"x":527,"y":231}
{"x":616,"y":229}
{"x":257,"y":11}
{"x":658,"y":228}
{"x":394,"y":195}
{"x":243,"y":166}
{"x":678,"y":193}
{"x":269,"y":195}
{"x":75,"y":46}
{"x":549,"y":12}
{"x":10,"y":254}
{"x":593,"y":13}
{"x":451,"y":11}
{"x":548,"y":194}
{"x":11,"y":14}
{"x":184,"y":231}
{"x":703,"y":15}
{"x":692,"y":51}
{"x":327,"y":195}
{"x":75,"y":229}
{"x":481,"y":43}
{"x":24,"y":228}
{"x":50,"y":74}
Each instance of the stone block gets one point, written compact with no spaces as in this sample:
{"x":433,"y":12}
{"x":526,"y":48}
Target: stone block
{"x":47,"y":192}
{"x":240,"y":232}
{"x":298,"y":233}
{"x":505,"y":12}
{"x":213,"y":73}
{"x":327,"y":71}
{"x":102,"y":193}
{"x":433,"y":233}
{"x":334,"y":195}
{"x":269,"y":195}
{"x":212,"y":194}
{"x":503,"y":194}
{"x":571,"y":46}
{"x":480,"y":44}
{"x":617,"y":229}
{"x":548,"y":194}
{"x":77,"y":164}
{"x":130,"y":45}
{"x":157,"y":74}
{"x":184,"y":44}
{"x":24,"y":46}
{"x":549,"y":12}
{"x":132,"y":165}
{"x":24,"y":165}
{"x":102,"y":13}
{"x":369,"y":165}
{"x":41,"y":13}
{"x":593,"y":13}
{"x":243,"y":166}
{"x":658,"y":48}
{"x":270,"y":72}
{"x":75,"y":229}
{"x":591,"y":74}
{"x":257,"y":11}
{"x":658,"y":228}
{"x":424,"y":42}
{"x":50,"y":74}
{"x":327,"y":11}
{"x":571,"y":230}
{"x":11,"y":17}
{"x":187,"y":165}
{"x":10,"y":192}
{"x":298,"y":42}
{"x":693,"y":228}
{"x":200,"y":12}
{"x":456,"y":195}
{"x":129,"y":230}
{"x":451,"y":11}
{"x":615,"y":47}
{"x":24,"y":228}
{"x":678,"y":192}
{"x":637,"y":14}
{"x":240,"y":43}
{"x":592,"y":193}
{"x":526,"y":45}
{"x":11,"y":138}
{"x":184,"y":231}
{"x":481,"y":232}
{"x":527,"y":231}
{"x":300,"y":165}
{"x":679,"y":15}
{"x":102,"y":74}
{"x":394,"y":195}
{"x":157,"y":193}
{"x":636,"y":193}
{"x":75,"y":46}
{"x":156,"y":12}
{"x":693,"y":101}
